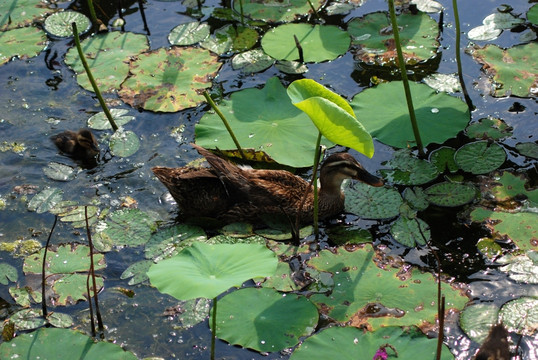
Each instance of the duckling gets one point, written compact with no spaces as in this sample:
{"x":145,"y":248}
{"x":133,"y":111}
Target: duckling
{"x":80,"y":145}
{"x":230,"y":194}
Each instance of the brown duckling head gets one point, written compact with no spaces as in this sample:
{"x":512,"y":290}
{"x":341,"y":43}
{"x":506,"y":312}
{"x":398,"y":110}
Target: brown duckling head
{"x":338,"y":167}
{"x":79,"y":145}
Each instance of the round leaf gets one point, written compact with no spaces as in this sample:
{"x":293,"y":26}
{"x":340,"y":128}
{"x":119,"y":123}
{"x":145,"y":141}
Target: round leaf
{"x":124,"y":143}
{"x":252,"y":61}
{"x":59,"y":172}
{"x":275,"y":10}
{"x":45,"y":200}
{"x":8,"y":273}
{"x":480,"y":157}
{"x":24,"y":42}
{"x":520,"y":315}
{"x":99,"y":121}
{"x":189,"y":33}
{"x":410,"y":232}
{"x":372,"y":202}
{"x":450,"y":194}
{"x":59,"y":24}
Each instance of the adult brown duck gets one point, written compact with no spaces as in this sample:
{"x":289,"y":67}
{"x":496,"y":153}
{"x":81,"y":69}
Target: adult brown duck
{"x":80,"y":145}
{"x":231,"y":194}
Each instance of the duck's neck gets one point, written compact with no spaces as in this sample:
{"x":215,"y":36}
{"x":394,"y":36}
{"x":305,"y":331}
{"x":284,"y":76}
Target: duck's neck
{"x":331,"y":198}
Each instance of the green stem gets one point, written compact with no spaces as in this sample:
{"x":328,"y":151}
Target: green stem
{"x":315,"y":183}
{"x":458,"y":56}
{"x":313,"y":9}
{"x":92,"y":80}
{"x":241,"y":11}
{"x":92,"y":14}
{"x":405,"y":80}
{"x":214,"y":328}
{"x":226,"y":124}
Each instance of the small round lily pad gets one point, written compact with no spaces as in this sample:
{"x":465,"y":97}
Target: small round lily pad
{"x":59,"y":24}
{"x":410,"y":232}
{"x":450,"y":194}
{"x":372,"y":202}
{"x":480,"y":157}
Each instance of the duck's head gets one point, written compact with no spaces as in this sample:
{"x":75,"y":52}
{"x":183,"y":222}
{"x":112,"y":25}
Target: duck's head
{"x":86,"y":139}
{"x":338,"y":167}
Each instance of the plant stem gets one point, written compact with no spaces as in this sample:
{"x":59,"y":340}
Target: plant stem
{"x":92,"y":273}
{"x":241,"y":12}
{"x":43,"y":270}
{"x":315,"y":183}
{"x":93,"y":15}
{"x":226,"y":123}
{"x":313,"y":9}
{"x":92,"y":80}
{"x":458,"y":56}
{"x":214,"y":328}
{"x":405,"y":80}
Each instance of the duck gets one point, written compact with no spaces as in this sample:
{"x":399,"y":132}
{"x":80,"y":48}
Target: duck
{"x":80,"y":145}
{"x":229,"y":193}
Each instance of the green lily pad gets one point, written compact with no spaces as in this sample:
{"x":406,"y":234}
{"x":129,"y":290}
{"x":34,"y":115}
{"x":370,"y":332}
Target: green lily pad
{"x":443,"y":159}
{"x":349,"y":343}
{"x":69,"y":289}
{"x":252,"y":61}
{"x":124,"y":143}
{"x":488,"y":128}
{"x":71,"y":212}
{"x":59,"y":172}
{"x":291,"y":67}
{"x":194,"y":311}
{"x":167,"y":80}
{"x":231,"y":38}
{"x":108,"y":57}
{"x":25,"y":296}
{"x":512,"y":186}
{"x":169,"y":241}
{"x":529,"y":149}
{"x":59,"y":23}
{"x":416,"y":197}
{"x":45,"y":200}
{"x":264,"y":120}
{"x":66,"y":259}
{"x":521,"y":268}
{"x":20,"y":13}
{"x":319,"y":43}
{"x":352,"y":235}
{"x":480,"y":157}
{"x":8,"y":273}
{"x":409,"y":170}
{"x":520,"y":315}
{"x":189,"y":33}
{"x":99,"y":121}
{"x":27,"y":319}
{"x":275,"y":10}
{"x":137,"y":272}
{"x":24,"y":43}
{"x":264,"y":320}
{"x":449,"y":83}
{"x":410,"y":232}
{"x":372,"y":202}
{"x":411,"y":301}
{"x":477,"y":320}
{"x":450,"y":194}
{"x":514,"y":70}
{"x":282,"y":280}
{"x":51,"y":343}
{"x":532,"y":14}
{"x":439,"y":115}
{"x":203,"y":270}
{"x":130,"y":227}
{"x":493,"y":25}
{"x":375,"y":40}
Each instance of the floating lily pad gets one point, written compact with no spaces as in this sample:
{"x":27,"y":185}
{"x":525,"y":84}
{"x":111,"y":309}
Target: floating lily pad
{"x":167,"y":80}
{"x":137,"y":272}
{"x":520,"y":315}
{"x":282,"y":280}
{"x":192,"y":312}
{"x":203,"y":270}
{"x":264,"y":320}
{"x":25,"y":296}
{"x":477,"y":320}
{"x":410,"y":232}
{"x":70,"y":211}
{"x":51,"y":343}
{"x":45,"y":200}
{"x":99,"y":121}
{"x":130,"y":227}
{"x":443,"y":159}
{"x":252,"y":61}
{"x":8,"y":273}
{"x":342,"y":235}
{"x":108,"y":57}
{"x":484,"y":33}
{"x":428,"y":6}
{"x":291,"y":67}
{"x":189,"y":33}
{"x":521,"y":268}
{"x":169,"y":241}
{"x":231,"y":38}
{"x":532,"y":14}
{"x":124,"y":143}
{"x":59,"y":172}
{"x":416,"y":197}
{"x":413,"y":300}
{"x":66,"y":259}
{"x":372,"y":202}
{"x":262,"y":119}
{"x":59,"y":24}
{"x":24,"y":43}
{"x":409,"y":170}
{"x":280,"y":43}
{"x":449,"y":83}
{"x":529,"y":149}
{"x":349,"y":343}
{"x":480,"y":157}
{"x":20,"y":13}
{"x":275,"y":10}
{"x":375,"y":40}
{"x":450,"y":194}
{"x":513,"y":186}
{"x":439,"y":115}
{"x":488,"y":128}
{"x":514,"y":70}
{"x":27,"y":319}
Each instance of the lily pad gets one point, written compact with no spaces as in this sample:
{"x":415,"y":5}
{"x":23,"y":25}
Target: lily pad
{"x":488,"y":128}
{"x":252,"y":61}
{"x":264,"y":320}
{"x":264,"y":120}
{"x":409,"y":170}
{"x":169,"y":241}
{"x":99,"y":121}
{"x":69,"y":289}
{"x":108,"y":57}
{"x":8,"y":273}
{"x":443,"y":159}
{"x":189,"y":33}
{"x":59,"y":23}
{"x":512,"y":186}
{"x":275,"y":10}
{"x":231,"y":38}
{"x":124,"y":143}
{"x":24,"y":43}
{"x":59,"y":172}
{"x":71,"y":212}
{"x":375,"y":40}
{"x":372,"y":202}
{"x":203,"y":270}
{"x":130,"y":227}
{"x":20,"y":13}
{"x":66,"y":259}
{"x":51,"y":343}
{"x":137,"y":272}
{"x":25,"y":296}
{"x":410,"y":232}
{"x":521,"y":268}
{"x":449,"y":83}
{"x":416,"y":197}
{"x":529,"y":149}
{"x":450,"y":194}
{"x":319,"y":43}
{"x":480,"y":157}
{"x":477,"y":320}
{"x":428,"y":6}
{"x":514,"y":70}
{"x":45,"y":200}
{"x":168,"y":80}
{"x":439,"y":115}
{"x":532,"y":14}
{"x":520,"y":315}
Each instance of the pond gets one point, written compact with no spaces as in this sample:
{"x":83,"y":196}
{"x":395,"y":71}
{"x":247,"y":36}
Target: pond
{"x":480,"y":225}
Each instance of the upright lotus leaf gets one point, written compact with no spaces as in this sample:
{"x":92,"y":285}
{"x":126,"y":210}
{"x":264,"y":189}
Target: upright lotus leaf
{"x":51,"y":343}
{"x":204,"y":270}
{"x":262,"y":119}
{"x":168,"y":80}
{"x":480,"y":157}
{"x":319,"y":42}
{"x":408,"y":300}
{"x":20,"y":13}
{"x":349,"y":343}
{"x":439,"y":115}
{"x":375,"y":39}
{"x":514,"y":70}
{"x":265,"y":320}
{"x":275,"y":10}
{"x":24,"y":43}
{"x":332,"y":115}
{"x":108,"y":56}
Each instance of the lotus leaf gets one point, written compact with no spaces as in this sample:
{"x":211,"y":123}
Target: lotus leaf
{"x":252,"y":61}
{"x":108,"y":57}
{"x":520,"y":315}
{"x":375,"y":39}
{"x":45,"y":200}
{"x":413,"y":300}
{"x":66,"y":259}
{"x":59,"y":24}
{"x":476,"y":320}
{"x":514,"y":70}
{"x":372,"y":202}
{"x":24,"y":43}
{"x":275,"y":10}
{"x":71,"y":288}
{"x":410,"y":232}
{"x":319,"y":43}
{"x":449,"y":83}
{"x":428,"y":6}
{"x":529,"y":149}
{"x":25,"y":296}
{"x":70,"y":211}
{"x":291,"y":67}
{"x":439,"y":115}
{"x":20,"y":13}
{"x":416,"y":197}
{"x":167,"y":80}
{"x":51,"y":343}
{"x":282,"y":280}
{"x":265,"y":320}
{"x":262,"y":119}
{"x":231,"y":38}
{"x":27,"y":319}
{"x":480,"y":157}
{"x":450,"y":194}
